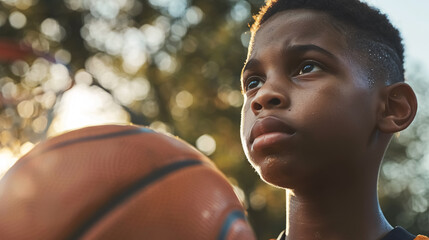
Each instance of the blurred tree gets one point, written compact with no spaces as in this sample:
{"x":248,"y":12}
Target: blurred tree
{"x":173,"y":65}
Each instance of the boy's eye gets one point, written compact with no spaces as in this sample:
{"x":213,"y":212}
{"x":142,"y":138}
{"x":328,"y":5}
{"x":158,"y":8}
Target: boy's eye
{"x":253,"y":82}
{"x":308,"y":68}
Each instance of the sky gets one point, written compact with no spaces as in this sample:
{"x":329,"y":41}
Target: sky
{"x":411,"y":17}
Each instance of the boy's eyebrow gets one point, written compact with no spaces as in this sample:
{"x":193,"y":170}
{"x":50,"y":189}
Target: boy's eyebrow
{"x":310,"y":47}
{"x":250,"y":64}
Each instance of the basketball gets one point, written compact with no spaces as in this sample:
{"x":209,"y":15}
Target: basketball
{"x":118,"y":182}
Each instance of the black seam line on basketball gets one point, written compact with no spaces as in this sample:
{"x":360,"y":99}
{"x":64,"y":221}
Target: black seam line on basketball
{"x":23,"y":160}
{"x":84,"y":139}
{"x":130,"y":191}
{"x":230,"y":219}
{"x":93,"y":138}
{"x":99,"y":137}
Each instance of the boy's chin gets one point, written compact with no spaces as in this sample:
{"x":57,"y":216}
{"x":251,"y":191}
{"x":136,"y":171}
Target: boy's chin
{"x":293,"y":181}
{"x":276,"y":182}
{"x":289,"y":173}
{"x":276,"y":173}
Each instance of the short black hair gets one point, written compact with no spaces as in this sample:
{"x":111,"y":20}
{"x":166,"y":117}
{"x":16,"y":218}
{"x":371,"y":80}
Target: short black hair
{"x":367,"y":29}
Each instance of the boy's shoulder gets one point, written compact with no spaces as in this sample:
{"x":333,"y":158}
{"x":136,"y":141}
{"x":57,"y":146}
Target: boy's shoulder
{"x":398,"y":233}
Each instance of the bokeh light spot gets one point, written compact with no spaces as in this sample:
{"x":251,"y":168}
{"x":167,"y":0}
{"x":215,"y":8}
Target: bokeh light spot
{"x":19,"y":68}
{"x":39,"y":124}
{"x":9,"y":90}
{"x":150,"y":109}
{"x":52,"y":29}
{"x":59,"y":78}
{"x":25,"y":109}
{"x":160,"y":127}
{"x":245,"y":39}
{"x":63,"y":56}
{"x":257,"y":200}
{"x":165,"y":62}
{"x":83,"y":77}
{"x":184,"y":99}
{"x":17,"y":20}
{"x":194,"y":15}
{"x":241,"y":11}
{"x":206,"y":144}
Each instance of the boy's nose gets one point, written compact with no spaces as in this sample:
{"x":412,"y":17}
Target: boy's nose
{"x":268,"y":98}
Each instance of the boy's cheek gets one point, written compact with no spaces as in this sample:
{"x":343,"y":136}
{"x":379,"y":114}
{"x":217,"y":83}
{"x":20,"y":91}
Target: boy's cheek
{"x":245,"y":127}
{"x":244,"y":117}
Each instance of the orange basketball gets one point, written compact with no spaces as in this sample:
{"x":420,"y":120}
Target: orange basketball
{"x":118,"y":182}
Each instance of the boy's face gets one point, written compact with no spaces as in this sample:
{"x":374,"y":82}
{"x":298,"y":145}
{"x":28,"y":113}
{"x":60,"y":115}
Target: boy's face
{"x":309,"y":113}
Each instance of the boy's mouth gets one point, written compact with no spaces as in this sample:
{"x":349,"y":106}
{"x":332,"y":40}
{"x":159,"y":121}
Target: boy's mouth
{"x":269,"y":127}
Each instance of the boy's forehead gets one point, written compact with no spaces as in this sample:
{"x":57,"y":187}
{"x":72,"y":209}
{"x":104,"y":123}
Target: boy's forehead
{"x":296,"y":16}
{"x":299,"y":26}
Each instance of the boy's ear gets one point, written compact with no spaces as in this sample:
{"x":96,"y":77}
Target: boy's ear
{"x":399,"y":106}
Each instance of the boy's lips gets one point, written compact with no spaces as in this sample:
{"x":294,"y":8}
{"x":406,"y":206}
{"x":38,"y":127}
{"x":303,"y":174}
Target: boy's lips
{"x":269,"y":126}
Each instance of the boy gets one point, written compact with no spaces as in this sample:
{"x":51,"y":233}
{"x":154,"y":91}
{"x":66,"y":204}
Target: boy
{"x":324,"y":93}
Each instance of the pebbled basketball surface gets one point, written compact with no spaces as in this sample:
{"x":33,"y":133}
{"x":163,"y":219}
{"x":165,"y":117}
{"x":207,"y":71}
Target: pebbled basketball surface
{"x":118,"y":182}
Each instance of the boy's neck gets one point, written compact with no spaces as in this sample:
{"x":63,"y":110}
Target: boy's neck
{"x":353,"y":214}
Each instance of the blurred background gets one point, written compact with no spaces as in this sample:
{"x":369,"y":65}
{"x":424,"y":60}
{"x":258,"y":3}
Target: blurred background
{"x":175,"y":66}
